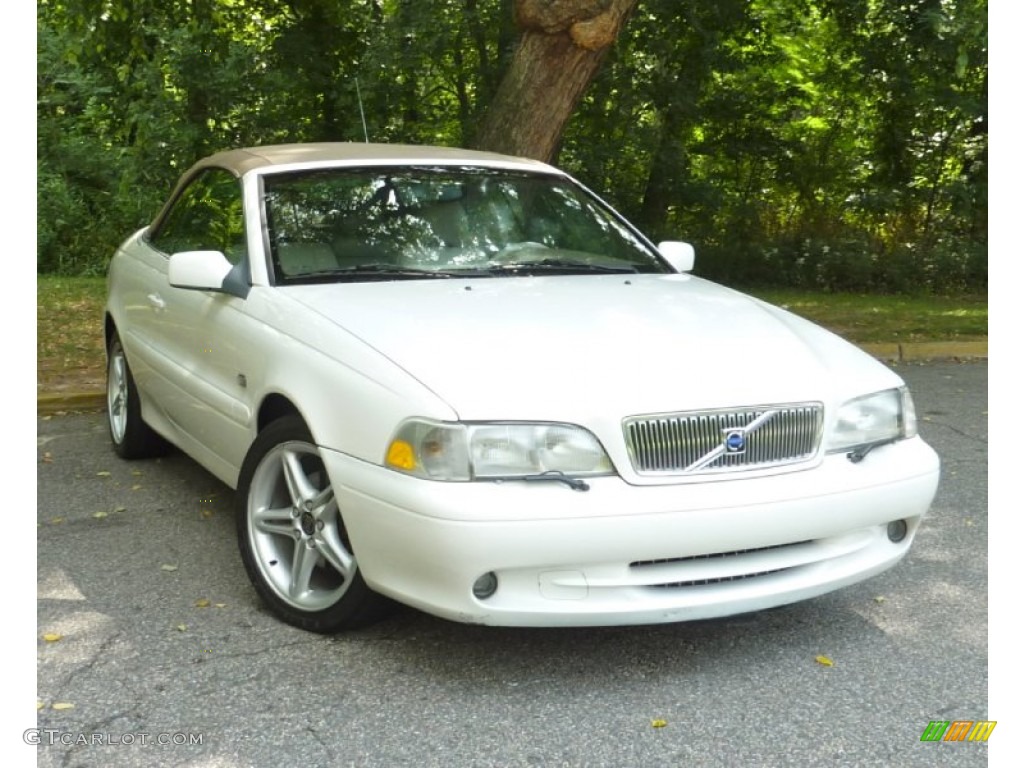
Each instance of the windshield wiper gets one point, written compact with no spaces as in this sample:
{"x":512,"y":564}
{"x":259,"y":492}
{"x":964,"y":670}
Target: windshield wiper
{"x":379,"y":272}
{"x":563,"y":266}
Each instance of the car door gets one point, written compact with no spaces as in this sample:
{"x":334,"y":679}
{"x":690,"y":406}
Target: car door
{"x":201,"y":341}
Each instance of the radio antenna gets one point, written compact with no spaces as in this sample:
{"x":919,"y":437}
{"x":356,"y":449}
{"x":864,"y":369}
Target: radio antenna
{"x":362,"y":114}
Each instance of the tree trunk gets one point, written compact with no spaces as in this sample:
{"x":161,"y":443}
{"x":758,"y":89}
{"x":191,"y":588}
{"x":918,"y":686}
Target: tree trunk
{"x":559,"y":52}
{"x":668,"y":166}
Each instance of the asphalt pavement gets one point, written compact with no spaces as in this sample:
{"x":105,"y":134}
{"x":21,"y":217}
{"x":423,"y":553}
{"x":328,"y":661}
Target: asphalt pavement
{"x":153,"y":649}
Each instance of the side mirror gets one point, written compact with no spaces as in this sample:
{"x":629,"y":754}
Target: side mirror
{"x":677,"y":253}
{"x":198,"y":270}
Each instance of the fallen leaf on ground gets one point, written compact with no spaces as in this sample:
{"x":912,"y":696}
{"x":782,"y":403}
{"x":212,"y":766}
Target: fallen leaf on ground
{"x":59,"y":705}
{"x":659,"y":723}
{"x":825,"y":661}
{"x":181,"y":627}
{"x":52,"y":637}
{"x":202,"y":603}
{"x":99,"y":515}
{"x":47,"y":458}
{"x":104,"y":473}
{"x":168,"y":567}
{"x":40,"y":704}
{"x":879,"y":599}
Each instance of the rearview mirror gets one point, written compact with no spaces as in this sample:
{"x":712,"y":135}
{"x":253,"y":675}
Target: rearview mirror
{"x":677,"y":253}
{"x":198,"y":270}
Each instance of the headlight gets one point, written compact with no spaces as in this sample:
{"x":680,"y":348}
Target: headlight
{"x":498,"y":450}
{"x":873,"y":419}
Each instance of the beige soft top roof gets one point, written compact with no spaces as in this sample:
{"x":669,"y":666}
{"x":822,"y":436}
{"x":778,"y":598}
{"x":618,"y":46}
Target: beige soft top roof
{"x":243,"y":160}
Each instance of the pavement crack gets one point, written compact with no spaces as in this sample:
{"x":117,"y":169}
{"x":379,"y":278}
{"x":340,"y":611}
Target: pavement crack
{"x":93,"y":659}
{"x":951,"y":428}
{"x":207,"y":659}
{"x":323,"y":745}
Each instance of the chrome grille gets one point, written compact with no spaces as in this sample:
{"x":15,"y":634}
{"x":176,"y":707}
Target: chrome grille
{"x":695,"y":442}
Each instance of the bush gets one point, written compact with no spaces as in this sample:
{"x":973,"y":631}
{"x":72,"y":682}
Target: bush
{"x":854,"y":264}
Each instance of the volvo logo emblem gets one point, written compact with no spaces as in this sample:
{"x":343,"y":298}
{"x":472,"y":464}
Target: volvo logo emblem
{"x":735,"y":441}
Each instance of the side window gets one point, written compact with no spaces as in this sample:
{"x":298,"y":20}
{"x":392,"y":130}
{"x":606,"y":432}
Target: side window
{"x":207,"y":216}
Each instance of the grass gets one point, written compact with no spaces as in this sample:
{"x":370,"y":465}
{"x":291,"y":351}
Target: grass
{"x":69,"y":322}
{"x":69,"y":334}
{"x":864,"y":319}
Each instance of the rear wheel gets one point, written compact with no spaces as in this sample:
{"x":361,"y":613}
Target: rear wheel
{"x":131,"y":436}
{"x":292,"y":535}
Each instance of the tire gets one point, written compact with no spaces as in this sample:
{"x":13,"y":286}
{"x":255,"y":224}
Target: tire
{"x":292,"y":537}
{"x":131,"y":437}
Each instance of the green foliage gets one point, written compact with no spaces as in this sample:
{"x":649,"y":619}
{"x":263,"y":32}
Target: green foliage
{"x":823,"y":144}
{"x":873,"y":318}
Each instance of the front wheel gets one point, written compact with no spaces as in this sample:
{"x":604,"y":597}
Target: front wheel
{"x":292,"y":535}
{"x":132,"y":438}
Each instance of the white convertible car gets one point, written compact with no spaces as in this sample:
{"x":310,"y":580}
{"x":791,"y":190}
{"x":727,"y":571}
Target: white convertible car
{"x":461,"y":381}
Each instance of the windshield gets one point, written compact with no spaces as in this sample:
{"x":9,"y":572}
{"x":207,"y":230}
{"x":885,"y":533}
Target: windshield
{"x":417,"y":223}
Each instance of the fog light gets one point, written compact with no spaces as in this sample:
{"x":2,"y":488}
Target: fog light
{"x":897,"y":530}
{"x":485,"y":586}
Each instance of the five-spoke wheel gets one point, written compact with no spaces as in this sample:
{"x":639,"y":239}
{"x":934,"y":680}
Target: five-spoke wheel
{"x":131,"y":436}
{"x":292,"y":535}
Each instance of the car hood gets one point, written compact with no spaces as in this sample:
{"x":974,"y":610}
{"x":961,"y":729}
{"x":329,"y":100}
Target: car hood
{"x":564,"y":348}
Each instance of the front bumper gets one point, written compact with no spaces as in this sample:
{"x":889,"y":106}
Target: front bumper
{"x":624,"y":554}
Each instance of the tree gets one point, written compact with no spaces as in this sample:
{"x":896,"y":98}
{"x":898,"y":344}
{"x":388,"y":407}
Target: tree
{"x":813,"y":143}
{"x":562,"y":45}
